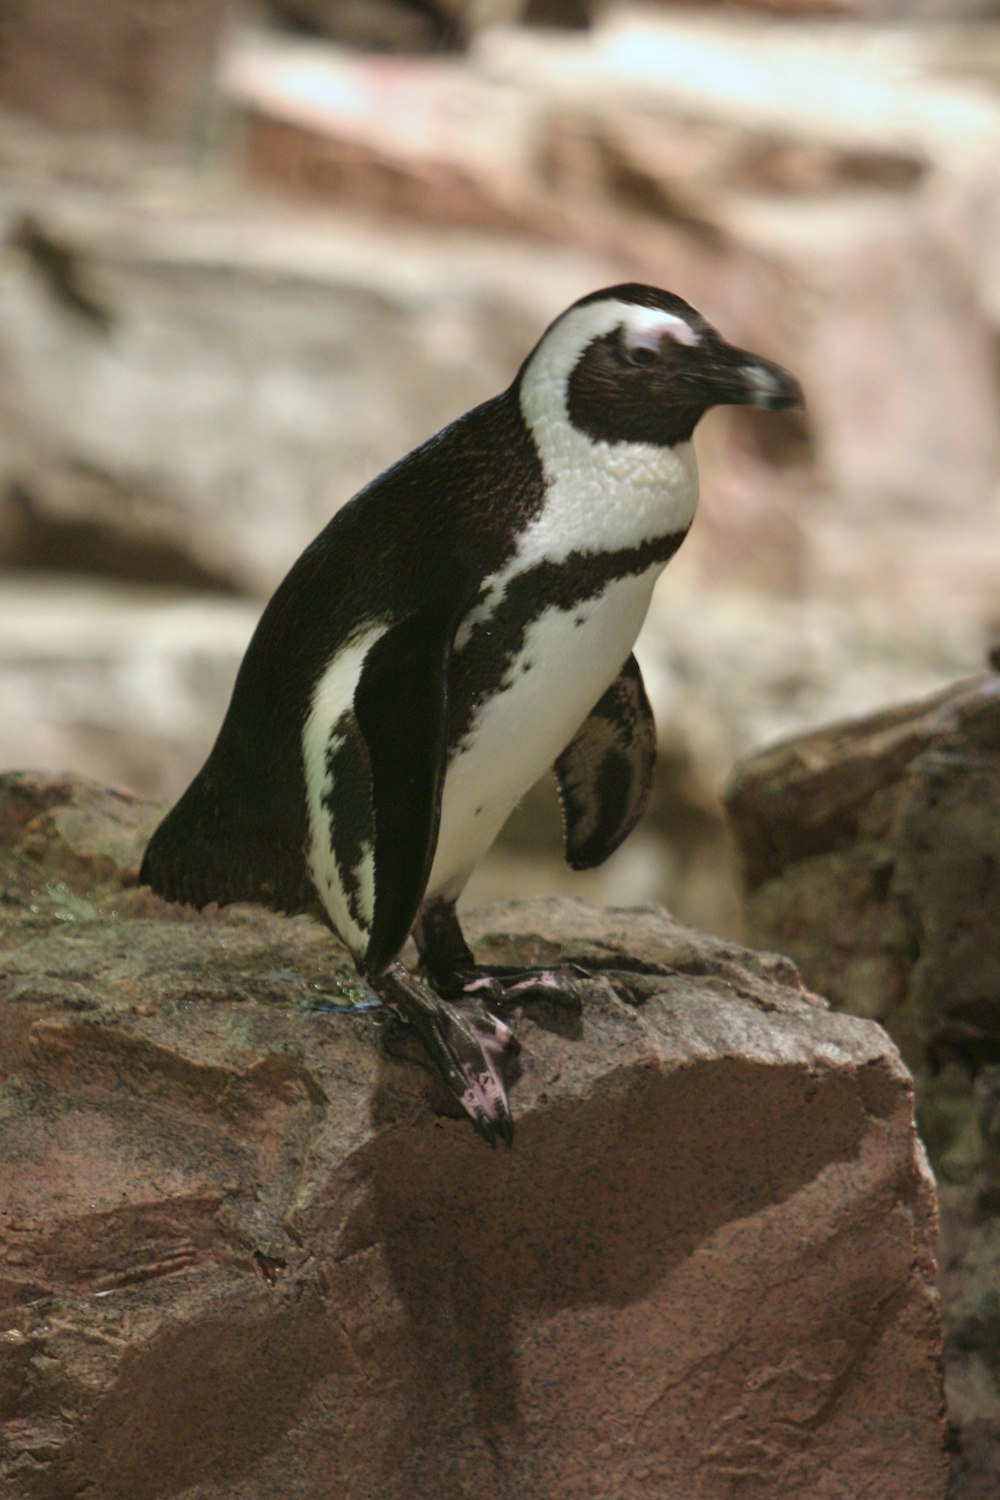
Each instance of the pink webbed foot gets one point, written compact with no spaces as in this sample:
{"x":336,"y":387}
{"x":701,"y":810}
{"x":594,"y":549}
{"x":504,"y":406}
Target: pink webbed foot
{"x":505,"y":986}
{"x":468,"y":1045}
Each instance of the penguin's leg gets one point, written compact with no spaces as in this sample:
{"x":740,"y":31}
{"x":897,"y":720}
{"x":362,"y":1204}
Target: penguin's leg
{"x":404,"y":681}
{"x":445,"y":956}
{"x":447,"y":960}
{"x":467,"y":1044}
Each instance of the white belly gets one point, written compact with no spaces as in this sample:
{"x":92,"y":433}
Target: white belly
{"x":568,"y":659}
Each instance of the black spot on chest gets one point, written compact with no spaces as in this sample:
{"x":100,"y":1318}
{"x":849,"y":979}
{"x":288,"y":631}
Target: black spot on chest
{"x":479,"y":669}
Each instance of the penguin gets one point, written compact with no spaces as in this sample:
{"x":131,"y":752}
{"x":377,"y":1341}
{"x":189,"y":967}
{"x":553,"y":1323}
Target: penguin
{"x":460,"y":626}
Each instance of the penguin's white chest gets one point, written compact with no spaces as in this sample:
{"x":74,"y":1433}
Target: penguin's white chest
{"x":566,"y":660}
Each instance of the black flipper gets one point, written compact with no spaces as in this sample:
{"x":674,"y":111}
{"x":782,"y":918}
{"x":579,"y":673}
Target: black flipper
{"x":401,"y":705}
{"x":606,"y":771}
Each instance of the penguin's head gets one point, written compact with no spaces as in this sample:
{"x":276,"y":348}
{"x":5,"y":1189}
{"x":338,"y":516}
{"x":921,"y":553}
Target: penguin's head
{"x":632,"y":364}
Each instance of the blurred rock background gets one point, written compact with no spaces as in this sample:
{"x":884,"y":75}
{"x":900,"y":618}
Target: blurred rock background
{"x":251,"y":253}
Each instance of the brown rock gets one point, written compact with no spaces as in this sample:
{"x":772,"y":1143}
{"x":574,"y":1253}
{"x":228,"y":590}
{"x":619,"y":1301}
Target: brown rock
{"x":868,"y":10}
{"x":247,"y":1249}
{"x":869,"y":850}
{"x":948,"y":878}
{"x":389,"y":25}
{"x":969,"y":1260}
{"x":422,"y":25}
{"x":870,"y":855}
{"x":424,"y":139}
{"x":142,"y":65}
{"x":360,"y":350}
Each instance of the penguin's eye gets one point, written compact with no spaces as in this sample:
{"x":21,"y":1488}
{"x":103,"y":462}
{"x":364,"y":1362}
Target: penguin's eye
{"x":641,"y":355}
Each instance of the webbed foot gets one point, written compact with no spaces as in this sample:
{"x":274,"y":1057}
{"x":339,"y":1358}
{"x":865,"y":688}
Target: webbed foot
{"x":447,"y":960}
{"x":505,"y":985}
{"x":468,"y":1045}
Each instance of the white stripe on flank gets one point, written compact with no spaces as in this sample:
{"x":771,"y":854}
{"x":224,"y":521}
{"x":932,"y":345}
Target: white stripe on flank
{"x":332,"y":695}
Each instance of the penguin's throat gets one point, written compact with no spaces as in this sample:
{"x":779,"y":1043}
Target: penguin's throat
{"x":611,"y":497}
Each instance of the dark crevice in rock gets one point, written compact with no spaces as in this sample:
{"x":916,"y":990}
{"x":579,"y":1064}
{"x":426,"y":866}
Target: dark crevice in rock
{"x":33,"y":539}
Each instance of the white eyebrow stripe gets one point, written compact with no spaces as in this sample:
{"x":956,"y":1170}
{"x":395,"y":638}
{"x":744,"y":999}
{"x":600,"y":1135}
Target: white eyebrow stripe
{"x":653,"y":323}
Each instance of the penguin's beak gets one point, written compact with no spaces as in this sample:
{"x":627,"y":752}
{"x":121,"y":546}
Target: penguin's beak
{"x":749,"y":380}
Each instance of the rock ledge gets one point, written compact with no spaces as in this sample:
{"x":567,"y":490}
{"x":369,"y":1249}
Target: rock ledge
{"x":246,"y":1250}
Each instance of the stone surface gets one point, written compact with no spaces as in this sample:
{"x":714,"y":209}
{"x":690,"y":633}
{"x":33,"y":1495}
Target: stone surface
{"x":142,"y":65}
{"x":385,"y":25}
{"x":249,"y":1252}
{"x":870,"y":856}
{"x":116,"y":680}
{"x":968,"y":1257}
{"x":422,"y":25}
{"x":248,"y":369}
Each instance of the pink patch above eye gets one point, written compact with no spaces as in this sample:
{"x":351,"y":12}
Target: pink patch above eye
{"x":647,"y":327}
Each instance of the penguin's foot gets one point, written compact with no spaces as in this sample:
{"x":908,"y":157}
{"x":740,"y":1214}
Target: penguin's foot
{"x":505,"y":985}
{"x":447,"y":960}
{"x":468,"y":1045}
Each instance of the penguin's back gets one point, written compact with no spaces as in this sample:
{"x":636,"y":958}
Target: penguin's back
{"x":244,"y":829}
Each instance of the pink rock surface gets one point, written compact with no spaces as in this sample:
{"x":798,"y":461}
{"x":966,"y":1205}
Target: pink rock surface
{"x":247,"y":1250}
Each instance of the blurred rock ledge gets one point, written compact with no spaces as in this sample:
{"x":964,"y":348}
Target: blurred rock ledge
{"x":246,"y":1248}
{"x":870,"y":854}
{"x":193,"y":372}
{"x":137,"y":65}
{"x":118,"y":681}
{"x":869,"y":851}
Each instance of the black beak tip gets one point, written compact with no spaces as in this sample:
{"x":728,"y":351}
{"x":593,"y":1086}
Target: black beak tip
{"x":771,"y":388}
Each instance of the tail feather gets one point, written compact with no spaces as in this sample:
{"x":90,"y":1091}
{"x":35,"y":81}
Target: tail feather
{"x":219,"y":844}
